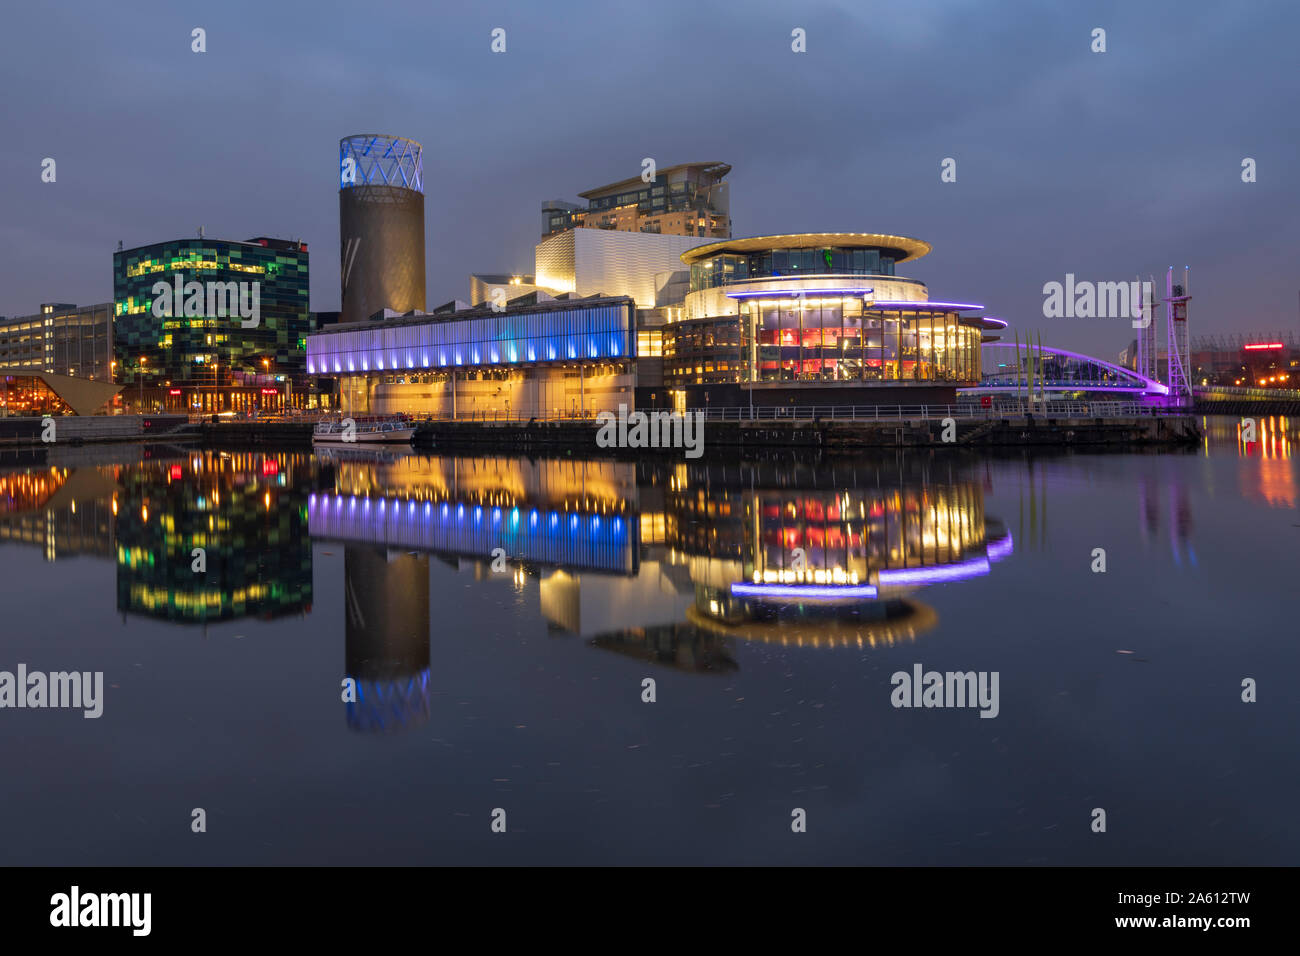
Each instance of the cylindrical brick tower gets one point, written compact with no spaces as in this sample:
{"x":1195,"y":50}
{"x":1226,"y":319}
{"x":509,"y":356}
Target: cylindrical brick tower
{"x":381,"y":225}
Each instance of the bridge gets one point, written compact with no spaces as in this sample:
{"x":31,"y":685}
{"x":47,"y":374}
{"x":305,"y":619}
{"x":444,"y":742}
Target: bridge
{"x":1062,"y":371}
{"x":1085,"y":377}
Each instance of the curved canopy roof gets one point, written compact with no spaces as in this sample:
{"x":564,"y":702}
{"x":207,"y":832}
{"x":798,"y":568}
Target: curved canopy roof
{"x":83,"y":395}
{"x":903,"y":248}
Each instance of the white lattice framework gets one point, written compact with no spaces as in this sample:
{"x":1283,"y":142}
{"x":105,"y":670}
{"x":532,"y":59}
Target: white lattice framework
{"x":378,"y":160}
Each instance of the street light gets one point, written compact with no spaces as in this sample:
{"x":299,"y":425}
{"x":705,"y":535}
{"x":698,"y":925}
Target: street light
{"x":143,"y":360}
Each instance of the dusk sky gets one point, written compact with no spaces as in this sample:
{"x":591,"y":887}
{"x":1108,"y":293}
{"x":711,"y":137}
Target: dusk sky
{"x":1099,"y":164}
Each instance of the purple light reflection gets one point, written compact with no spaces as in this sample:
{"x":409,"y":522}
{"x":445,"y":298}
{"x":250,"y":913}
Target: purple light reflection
{"x":971,"y":568}
{"x":811,"y":592}
{"x":1001,"y":548}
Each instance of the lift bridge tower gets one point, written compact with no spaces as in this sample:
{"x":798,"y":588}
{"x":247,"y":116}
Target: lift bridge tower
{"x":1179,"y":342}
{"x":1148,"y":358}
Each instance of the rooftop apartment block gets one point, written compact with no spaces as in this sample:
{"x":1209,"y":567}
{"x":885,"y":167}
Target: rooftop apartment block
{"x":690,"y":199}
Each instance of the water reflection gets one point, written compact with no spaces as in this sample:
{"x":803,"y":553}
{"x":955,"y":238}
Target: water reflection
{"x":673,"y":563}
{"x":824,"y":556}
{"x":213,"y":537}
{"x":65,"y":512}
{"x":684,"y":647}
{"x":621,"y":550}
{"x":386,"y":601}
{"x":667,"y":561}
{"x":488,"y":606}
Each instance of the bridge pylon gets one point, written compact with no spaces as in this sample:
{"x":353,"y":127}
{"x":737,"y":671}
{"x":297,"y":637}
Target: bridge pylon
{"x":1179,"y":350}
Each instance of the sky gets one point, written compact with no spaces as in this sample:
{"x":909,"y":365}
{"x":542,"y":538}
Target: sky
{"x":1104,"y":165}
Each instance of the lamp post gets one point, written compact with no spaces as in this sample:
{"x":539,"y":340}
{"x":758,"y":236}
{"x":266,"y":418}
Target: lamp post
{"x":143,"y":360}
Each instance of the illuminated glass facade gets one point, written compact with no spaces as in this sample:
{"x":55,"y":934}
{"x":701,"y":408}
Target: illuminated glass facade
{"x":823,"y":338}
{"x":579,"y":333}
{"x":29,"y":396}
{"x":840,"y":338}
{"x":706,"y":351}
{"x":210,"y":350}
{"x":727,"y":269}
{"x":822,"y":308}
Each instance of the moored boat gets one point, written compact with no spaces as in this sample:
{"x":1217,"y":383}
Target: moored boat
{"x":352,"y":432}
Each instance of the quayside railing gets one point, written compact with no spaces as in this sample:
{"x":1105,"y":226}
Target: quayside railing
{"x":961,"y":411}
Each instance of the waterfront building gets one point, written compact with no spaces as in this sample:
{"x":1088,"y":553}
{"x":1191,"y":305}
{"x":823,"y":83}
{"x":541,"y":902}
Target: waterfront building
{"x":206,"y":355}
{"x":812,"y":319}
{"x":1265,"y":360}
{"x":27,"y":393}
{"x":62,"y":339}
{"x":546,"y":358}
{"x":816,"y":318}
{"x":627,"y":242}
{"x":806,"y":319}
{"x":1242,"y":360}
{"x":58,"y":361}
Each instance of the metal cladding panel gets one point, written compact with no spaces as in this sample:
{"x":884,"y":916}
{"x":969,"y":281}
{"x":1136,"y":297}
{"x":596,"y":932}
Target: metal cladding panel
{"x":609,"y":262}
{"x":554,"y":261}
{"x":381,"y":246}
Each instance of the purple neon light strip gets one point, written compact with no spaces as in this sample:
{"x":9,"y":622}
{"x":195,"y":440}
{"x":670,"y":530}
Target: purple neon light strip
{"x":794,"y":293}
{"x":1001,"y":323}
{"x":972,"y":568}
{"x":1001,"y":548}
{"x":921,"y":306}
{"x":813,"y":592}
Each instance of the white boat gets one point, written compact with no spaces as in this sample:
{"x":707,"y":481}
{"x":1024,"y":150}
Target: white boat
{"x":347,"y":432}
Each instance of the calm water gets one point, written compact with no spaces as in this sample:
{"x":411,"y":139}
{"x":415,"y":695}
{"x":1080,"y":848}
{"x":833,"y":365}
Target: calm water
{"x":521,"y":688}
